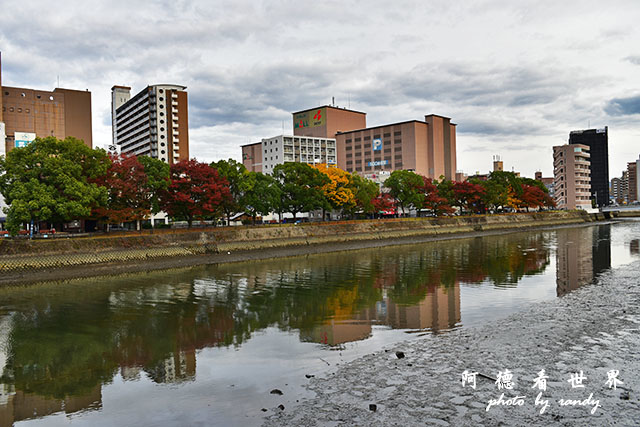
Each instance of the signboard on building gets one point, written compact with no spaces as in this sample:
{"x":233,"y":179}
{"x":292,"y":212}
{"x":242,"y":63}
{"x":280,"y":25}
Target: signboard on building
{"x":310,"y":118}
{"x":24,"y":138}
{"x":377,"y":144}
{"x":379,"y":163}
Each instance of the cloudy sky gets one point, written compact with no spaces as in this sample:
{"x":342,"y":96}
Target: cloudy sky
{"x":516,"y":76}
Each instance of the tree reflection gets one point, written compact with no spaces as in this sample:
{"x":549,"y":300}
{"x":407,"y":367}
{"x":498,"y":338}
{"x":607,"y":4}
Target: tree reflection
{"x":68,"y":339}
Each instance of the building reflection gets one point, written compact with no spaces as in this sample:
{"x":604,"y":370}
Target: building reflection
{"x":634,"y":247}
{"x":19,"y":406}
{"x":582,"y":254}
{"x":153,"y":329}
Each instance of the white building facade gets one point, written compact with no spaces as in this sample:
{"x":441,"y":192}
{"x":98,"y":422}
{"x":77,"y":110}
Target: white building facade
{"x":301,"y":149}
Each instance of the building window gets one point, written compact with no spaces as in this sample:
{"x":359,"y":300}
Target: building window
{"x":161,"y":136}
{"x":161,"y":122}
{"x":397,"y":141}
{"x":357,"y":139}
{"x":397,"y":133}
{"x":161,"y":99}
{"x":11,"y":109}
{"x":19,"y":110}
{"x":161,"y":114}
{"x":162,"y":152}
{"x":387,"y":135}
{"x":27,"y":111}
{"x":162,"y":144}
{"x":23,"y":94}
{"x":161,"y":90}
{"x":161,"y":129}
{"x":51,"y":98}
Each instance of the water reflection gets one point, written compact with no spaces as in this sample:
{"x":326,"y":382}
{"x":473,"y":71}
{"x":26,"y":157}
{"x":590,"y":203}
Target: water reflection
{"x":582,"y":254}
{"x":59,"y":343}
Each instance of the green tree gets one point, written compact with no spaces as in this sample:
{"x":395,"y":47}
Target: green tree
{"x":157,"y":173}
{"x":234,"y":172}
{"x":365,"y":192}
{"x":301,"y":187}
{"x":51,"y":180}
{"x":405,"y":188}
{"x":261,"y":194}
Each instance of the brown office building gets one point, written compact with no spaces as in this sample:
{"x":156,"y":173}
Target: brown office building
{"x":327,"y":121}
{"x":427,"y":148}
{"x":60,"y":113}
{"x":252,"y":157}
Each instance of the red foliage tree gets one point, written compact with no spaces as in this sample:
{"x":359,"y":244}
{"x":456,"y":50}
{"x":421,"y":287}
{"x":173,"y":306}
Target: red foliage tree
{"x":432,"y":200}
{"x":128,"y":198}
{"x":468,"y":196}
{"x":532,"y":197}
{"x":384,"y":203}
{"x":196,"y":191}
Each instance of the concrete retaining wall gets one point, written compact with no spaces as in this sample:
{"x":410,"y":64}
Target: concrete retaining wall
{"x":23,"y":254}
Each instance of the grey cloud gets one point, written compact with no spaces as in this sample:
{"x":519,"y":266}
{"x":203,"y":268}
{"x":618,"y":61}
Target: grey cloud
{"x":634,"y":59}
{"x":623,"y":106}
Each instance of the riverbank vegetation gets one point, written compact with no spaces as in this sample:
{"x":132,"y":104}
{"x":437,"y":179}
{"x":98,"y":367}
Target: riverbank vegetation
{"x":56,"y":181}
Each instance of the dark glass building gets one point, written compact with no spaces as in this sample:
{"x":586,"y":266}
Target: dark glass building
{"x":598,"y":142}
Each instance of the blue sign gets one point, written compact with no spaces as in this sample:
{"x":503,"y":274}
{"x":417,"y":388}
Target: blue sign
{"x":377,"y":144}
{"x":379,"y":163}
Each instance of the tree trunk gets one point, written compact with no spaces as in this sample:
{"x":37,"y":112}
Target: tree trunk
{"x":228,"y":219}
{"x":189,"y":221}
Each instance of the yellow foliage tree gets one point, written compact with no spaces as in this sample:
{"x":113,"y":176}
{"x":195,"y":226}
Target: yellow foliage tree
{"x":337,"y":191}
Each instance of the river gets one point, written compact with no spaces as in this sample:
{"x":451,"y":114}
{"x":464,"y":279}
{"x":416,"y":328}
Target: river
{"x":207,"y":345}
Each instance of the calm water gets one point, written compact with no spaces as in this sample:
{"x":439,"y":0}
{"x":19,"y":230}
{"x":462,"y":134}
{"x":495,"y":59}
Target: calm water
{"x":206,"y":345}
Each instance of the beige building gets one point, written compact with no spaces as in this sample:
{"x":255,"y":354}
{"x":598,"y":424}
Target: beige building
{"x":572,"y":177}
{"x":327,"y":121}
{"x":633,"y":177}
{"x":154,"y":123}
{"x":427,"y":148}
{"x":29,"y":113}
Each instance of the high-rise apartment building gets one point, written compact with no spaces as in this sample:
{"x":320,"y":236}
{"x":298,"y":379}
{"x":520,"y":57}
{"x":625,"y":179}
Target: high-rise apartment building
{"x":153,"y":123}
{"x":598,"y":142}
{"x":572,"y":180}
{"x":633,"y":176}
{"x":29,"y":113}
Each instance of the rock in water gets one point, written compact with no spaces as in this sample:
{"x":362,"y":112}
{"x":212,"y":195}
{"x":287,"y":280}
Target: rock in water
{"x":276,"y":391}
{"x":399,"y":355}
{"x":373,"y":407}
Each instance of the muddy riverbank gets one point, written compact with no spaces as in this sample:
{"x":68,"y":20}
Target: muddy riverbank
{"x":33,"y":261}
{"x":593,"y":330}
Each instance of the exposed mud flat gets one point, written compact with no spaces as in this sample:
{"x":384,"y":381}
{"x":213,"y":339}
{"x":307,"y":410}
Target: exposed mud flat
{"x":595,"y":329}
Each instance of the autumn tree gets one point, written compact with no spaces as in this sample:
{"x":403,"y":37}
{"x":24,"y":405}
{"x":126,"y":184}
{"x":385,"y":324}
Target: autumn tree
{"x":128,"y":191}
{"x":532,"y":197}
{"x":234,"y":172}
{"x":261,"y":194}
{"x":51,"y":180}
{"x":405,"y":188}
{"x":301,"y":187}
{"x":384,"y":203}
{"x":196,"y":191}
{"x":432,"y":200}
{"x":337,"y":190}
{"x":468,"y":196}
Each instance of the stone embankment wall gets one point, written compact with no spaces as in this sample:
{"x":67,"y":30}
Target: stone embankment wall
{"x":27,"y":255}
